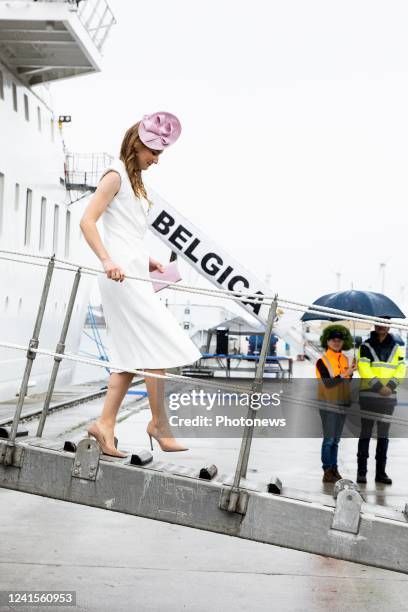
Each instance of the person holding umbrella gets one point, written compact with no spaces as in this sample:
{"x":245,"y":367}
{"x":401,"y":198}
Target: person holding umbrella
{"x":381,"y":365}
{"x":333,"y":373}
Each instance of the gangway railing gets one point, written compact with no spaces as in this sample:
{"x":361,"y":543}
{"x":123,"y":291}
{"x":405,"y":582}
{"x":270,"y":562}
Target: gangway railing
{"x":236,"y":295}
{"x":237,"y":508}
{"x":95,"y":15}
{"x":97,"y":18}
{"x":83,"y":170}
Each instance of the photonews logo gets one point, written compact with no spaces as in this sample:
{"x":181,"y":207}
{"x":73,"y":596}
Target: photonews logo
{"x":208,"y":401}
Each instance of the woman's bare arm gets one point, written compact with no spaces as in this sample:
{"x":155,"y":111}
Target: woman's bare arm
{"x":108,"y":187}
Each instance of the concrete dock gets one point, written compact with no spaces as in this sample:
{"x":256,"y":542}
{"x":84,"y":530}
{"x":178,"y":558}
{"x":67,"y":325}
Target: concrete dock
{"x":117,"y":563}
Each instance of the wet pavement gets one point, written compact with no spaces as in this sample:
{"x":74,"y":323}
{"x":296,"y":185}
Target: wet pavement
{"x":117,"y":563}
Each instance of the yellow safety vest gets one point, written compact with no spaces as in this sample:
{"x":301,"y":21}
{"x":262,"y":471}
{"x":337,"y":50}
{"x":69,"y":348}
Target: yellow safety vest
{"x":374,"y":371}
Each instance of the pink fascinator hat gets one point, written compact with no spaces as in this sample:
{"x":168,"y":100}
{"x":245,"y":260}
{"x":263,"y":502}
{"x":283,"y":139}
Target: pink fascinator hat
{"x":159,"y":130}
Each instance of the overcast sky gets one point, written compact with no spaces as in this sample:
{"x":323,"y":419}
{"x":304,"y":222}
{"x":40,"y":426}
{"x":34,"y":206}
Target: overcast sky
{"x":294,"y":151}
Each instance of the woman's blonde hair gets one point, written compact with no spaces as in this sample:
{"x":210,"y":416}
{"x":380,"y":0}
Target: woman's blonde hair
{"x":131,"y":145}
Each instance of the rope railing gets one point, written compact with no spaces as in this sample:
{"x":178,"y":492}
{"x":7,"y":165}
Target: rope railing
{"x":236,"y":295}
{"x":121,"y":368}
{"x":305,"y":402}
{"x":221,"y":293}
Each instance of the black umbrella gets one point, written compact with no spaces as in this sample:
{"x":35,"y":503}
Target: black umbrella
{"x":358,"y":302}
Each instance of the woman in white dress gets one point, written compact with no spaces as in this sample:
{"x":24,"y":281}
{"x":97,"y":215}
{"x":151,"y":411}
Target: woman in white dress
{"x":141,"y":332}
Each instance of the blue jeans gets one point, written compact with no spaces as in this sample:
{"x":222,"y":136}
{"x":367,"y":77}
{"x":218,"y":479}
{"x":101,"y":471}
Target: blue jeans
{"x":332,"y":425}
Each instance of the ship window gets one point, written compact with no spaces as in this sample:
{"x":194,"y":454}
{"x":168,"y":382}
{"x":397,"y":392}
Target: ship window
{"x":16,"y":196}
{"x":1,"y":85}
{"x":1,"y":201}
{"x":56,"y":222}
{"x":26,"y":108}
{"x":6,"y":303}
{"x":14,"y":91}
{"x":67,"y":232}
{"x":27,"y":229}
{"x":39,"y":118}
{"x":20,"y":303}
{"x":52,"y":127}
{"x":43,"y":216}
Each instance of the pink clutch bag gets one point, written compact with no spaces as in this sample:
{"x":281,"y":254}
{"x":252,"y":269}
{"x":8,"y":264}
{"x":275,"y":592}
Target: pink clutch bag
{"x":171,"y":274}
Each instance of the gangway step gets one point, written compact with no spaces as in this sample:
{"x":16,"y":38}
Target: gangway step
{"x":204,"y":472}
{"x":346,"y":531}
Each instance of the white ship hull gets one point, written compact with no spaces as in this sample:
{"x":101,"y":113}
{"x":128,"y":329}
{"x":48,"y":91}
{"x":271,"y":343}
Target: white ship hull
{"x":36,"y":218}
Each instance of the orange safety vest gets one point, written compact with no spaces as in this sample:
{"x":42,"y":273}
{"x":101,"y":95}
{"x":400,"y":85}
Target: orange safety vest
{"x":336,"y":364}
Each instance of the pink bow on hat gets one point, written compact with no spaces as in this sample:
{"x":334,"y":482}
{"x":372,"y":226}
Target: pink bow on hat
{"x":159,"y":130}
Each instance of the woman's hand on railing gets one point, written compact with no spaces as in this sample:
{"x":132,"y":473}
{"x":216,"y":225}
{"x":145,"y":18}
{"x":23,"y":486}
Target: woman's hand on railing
{"x":113,"y":271}
{"x":155,"y":265}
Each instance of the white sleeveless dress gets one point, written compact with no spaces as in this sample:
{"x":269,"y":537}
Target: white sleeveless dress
{"x":141,"y":331}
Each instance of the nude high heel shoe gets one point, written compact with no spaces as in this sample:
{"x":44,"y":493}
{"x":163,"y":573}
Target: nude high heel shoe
{"x":95,"y":431}
{"x":169,"y":445}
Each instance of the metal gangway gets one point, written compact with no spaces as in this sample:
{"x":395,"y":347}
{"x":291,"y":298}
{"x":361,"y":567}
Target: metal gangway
{"x":140,"y":486}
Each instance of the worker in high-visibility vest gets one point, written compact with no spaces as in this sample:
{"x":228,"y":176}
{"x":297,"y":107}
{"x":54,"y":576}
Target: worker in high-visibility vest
{"x":334,"y":374}
{"x":381,"y":365}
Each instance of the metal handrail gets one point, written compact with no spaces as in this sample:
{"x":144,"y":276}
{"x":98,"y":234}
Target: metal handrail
{"x":83,"y":171}
{"x":95,"y":15}
{"x":97,"y":18}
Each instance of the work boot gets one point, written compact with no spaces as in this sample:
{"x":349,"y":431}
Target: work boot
{"x":329,"y":476}
{"x":362,"y":456}
{"x":337,"y":473}
{"x":381,"y":460}
{"x":381,"y":475}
